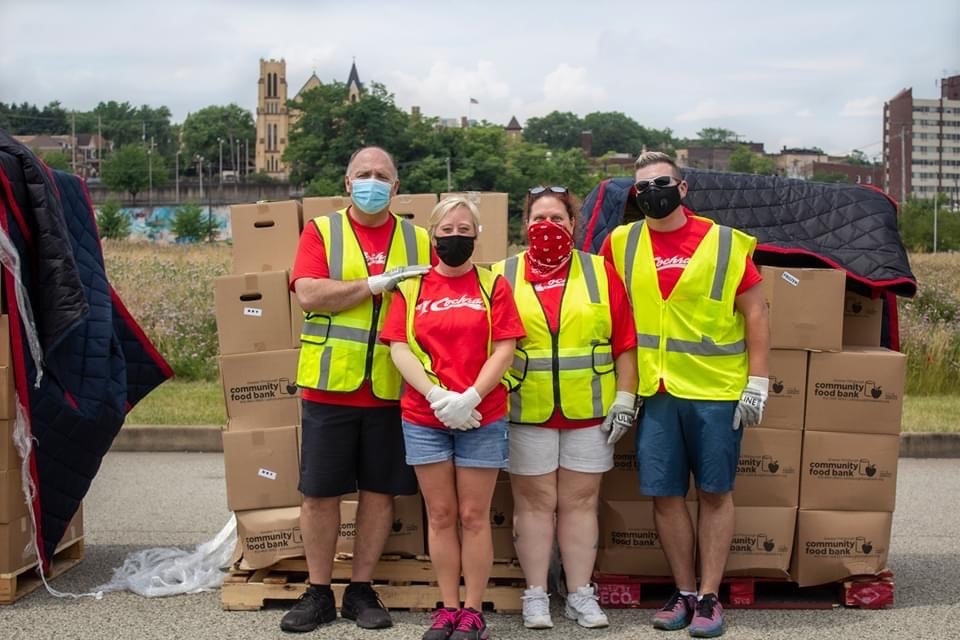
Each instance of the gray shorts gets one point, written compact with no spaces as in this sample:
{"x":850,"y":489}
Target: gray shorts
{"x":535,"y":451}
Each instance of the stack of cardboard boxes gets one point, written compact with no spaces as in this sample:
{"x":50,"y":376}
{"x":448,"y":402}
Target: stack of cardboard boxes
{"x":851,"y":421}
{"x":16,"y":531}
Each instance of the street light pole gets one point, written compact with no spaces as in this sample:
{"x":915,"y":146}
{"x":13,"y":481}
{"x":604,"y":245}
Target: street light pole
{"x":176,"y":173}
{"x":200,"y":173}
{"x":220,"y":140}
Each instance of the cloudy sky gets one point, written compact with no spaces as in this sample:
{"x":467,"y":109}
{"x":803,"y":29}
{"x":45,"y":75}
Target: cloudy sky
{"x":810,"y":73}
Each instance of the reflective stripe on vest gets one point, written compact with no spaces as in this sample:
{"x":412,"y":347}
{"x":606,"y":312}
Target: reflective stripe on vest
{"x":340,"y":350}
{"x":574,"y":371}
{"x":703,"y":355}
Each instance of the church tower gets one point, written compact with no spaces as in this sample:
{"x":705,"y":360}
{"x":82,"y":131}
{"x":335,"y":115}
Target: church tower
{"x":353,"y":84}
{"x":273,"y":121}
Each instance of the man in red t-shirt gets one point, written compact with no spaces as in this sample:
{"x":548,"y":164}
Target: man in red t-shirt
{"x":702,"y":351}
{"x":351,"y":433}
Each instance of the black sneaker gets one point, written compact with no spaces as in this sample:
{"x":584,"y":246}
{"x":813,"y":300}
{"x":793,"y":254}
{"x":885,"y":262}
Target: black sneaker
{"x":315,"y":607}
{"x":361,"y":603}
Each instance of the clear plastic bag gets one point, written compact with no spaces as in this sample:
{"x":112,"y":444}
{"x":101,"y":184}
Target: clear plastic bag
{"x":167,"y":571}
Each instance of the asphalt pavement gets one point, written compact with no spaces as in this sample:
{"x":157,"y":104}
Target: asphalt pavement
{"x":143,"y":500}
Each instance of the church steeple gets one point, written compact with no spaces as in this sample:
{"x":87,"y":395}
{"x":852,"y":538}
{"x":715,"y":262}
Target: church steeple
{"x":353,"y":83}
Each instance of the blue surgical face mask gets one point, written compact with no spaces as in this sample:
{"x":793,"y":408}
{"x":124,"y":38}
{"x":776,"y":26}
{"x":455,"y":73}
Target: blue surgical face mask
{"x":370,"y":195}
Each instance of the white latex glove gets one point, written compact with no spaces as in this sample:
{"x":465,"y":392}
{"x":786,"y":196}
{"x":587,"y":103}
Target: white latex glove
{"x":388,"y":280}
{"x":749,"y":411}
{"x":459,"y":411}
{"x":620,"y":417}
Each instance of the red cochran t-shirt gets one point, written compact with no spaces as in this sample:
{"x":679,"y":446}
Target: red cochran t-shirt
{"x":451,"y":326}
{"x":311,"y":262}
{"x":623,"y":335}
{"x":672,"y":251}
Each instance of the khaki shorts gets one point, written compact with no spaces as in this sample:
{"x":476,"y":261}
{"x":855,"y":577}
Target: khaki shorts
{"x":535,"y":451}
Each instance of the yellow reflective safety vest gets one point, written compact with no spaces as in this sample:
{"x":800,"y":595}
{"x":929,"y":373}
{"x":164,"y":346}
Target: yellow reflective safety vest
{"x":340,"y":349}
{"x":572,"y":369}
{"x":695,"y":339}
{"x":410,"y":289}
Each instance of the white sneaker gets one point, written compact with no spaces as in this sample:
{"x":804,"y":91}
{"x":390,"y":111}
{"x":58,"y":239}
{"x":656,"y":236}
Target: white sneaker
{"x":536,"y":609}
{"x":582,"y":606}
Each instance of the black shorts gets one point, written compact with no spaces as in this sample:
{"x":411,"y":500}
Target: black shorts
{"x":346,"y":449}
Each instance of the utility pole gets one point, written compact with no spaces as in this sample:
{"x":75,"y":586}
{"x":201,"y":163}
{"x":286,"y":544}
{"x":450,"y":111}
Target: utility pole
{"x":150,"y":170}
{"x":73,"y":141}
{"x":220,"y":140}
{"x":176,"y":173}
{"x":449,"y":181}
{"x":936,"y":205}
{"x":99,"y":140}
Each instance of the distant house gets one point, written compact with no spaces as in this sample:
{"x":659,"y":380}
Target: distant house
{"x":85,"y":151}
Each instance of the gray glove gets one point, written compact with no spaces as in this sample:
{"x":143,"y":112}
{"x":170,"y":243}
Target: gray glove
{"x":458,"y":411}
{"x":620,"y":417}
{"x":388,"y":280}
{"x":753,"y":400}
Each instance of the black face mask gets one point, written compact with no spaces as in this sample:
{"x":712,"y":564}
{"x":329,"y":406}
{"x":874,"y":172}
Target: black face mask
{"x":658,"y":202}
{"x":453,"y":251}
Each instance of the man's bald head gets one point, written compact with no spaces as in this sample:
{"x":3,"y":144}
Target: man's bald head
{"x":372,"y":162}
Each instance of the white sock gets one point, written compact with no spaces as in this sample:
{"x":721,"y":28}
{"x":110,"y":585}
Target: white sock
{"x":687,"y":593}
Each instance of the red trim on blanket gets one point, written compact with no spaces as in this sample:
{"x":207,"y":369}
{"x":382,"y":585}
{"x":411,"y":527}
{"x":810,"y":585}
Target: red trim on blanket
{"x":591,"y":225}
{"x":893,"y":320}
{"x":15,"y":209}
{"x":19,"y":356}
{"x":874,"y":285}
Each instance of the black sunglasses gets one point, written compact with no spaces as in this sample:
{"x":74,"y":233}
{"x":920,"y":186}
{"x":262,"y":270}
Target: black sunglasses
{"x":659,"y":182}
{"x":535,"y":191}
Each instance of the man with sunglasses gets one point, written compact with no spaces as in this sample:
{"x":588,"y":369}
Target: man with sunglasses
{"x":702,"y":353}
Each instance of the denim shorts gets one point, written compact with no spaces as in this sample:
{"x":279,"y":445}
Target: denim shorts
{"x":677,"y":436}
{"x":486,"y":447}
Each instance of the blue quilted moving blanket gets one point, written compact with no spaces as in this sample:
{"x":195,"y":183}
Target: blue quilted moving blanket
{"x":95,"y":362}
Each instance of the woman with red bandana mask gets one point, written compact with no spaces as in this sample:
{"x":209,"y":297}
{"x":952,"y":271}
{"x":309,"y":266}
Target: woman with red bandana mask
{"x":578,"y":379}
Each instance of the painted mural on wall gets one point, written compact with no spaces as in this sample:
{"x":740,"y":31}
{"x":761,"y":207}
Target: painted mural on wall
{"x":154,"y":223}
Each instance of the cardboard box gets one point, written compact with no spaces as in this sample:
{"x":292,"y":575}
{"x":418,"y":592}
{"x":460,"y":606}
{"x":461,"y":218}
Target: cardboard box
{"x":262,"y":468}
{"x":322,"y":206}
{"x":788,"y":389}
{"x":768,"y":472}
{"x":762,"y":542}
{"x":501,"y":521}
{"x":491,"y":243}
{"x":9,"y":458}
{"x":415,"y":207}
{"x":862,"y":320}
{"x":265,"y":235}
{"x":806,"y":307}
{"x":265,"y":536}
{"x":16,"y":541}
{"x":253,"y":312}
{"x":834,"y":545}
{"x":859,"y":391}
{"x":849,"y":471}
{"x":260,"y":389}
{"x":407,"y":533}
{"x":8,"y":394}
{"x":629,"y":544}
{"x":12,"y":502}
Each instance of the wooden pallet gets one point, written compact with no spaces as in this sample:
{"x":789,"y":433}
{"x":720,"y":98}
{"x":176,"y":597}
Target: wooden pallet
{"x":19,"y":583}
{"x":402,"y":583}
{"x":648,"y":592}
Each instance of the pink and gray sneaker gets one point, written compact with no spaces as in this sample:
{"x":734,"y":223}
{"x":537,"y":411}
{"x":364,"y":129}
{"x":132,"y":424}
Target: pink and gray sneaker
{"x":708,"y":618}
{"x":676,"y":613}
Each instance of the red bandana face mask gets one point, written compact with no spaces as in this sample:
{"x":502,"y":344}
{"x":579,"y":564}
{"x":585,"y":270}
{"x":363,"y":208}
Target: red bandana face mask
{"x":550,"y":247}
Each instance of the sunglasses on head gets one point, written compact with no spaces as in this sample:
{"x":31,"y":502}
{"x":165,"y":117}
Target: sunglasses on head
{"x":536,"y":191}
{"x":659,"y":182}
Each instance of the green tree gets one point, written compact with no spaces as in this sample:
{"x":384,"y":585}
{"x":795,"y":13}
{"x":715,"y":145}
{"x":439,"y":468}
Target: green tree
{"x":203,"y":130}
{"x":916,"y":225}
{"x":717,"y":136}
{"x":132,"y":169}
{"x":557,"y":130}
{"x":614,"y":131}
{"x":859,"y":158}
{"x":191,"y":224}
{"x":27,"y":119}
{"x":123,"y":124}
{"x":743,"y":160}
{"x":56,"y":159}
{"x":112,"y":221}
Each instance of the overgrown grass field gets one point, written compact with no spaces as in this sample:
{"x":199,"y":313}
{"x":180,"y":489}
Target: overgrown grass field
{"x":169,"y":290}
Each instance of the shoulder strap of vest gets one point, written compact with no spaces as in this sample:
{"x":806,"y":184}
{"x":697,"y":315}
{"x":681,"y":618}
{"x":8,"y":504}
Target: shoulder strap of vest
{"x":488,"y":282}
{"x":511,"y":269}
